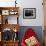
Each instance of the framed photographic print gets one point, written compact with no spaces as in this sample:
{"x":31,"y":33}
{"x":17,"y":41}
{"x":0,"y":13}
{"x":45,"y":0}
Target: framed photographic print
{"x":5,"y":12}
{"x":29,"y":13}
{"x":13,"y":12}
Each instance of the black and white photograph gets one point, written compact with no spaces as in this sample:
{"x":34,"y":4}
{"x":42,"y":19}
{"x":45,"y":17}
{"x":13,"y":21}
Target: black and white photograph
{"x":29,"y":13}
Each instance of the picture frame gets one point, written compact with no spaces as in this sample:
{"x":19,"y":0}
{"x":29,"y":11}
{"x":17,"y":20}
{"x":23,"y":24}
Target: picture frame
{"x":29,"y":13}
{"x":13,"y":12}
{"x":5,"y":12}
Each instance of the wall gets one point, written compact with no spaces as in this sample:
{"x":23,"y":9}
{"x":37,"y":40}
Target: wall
{"x":7,"y":3}
{"x":39,"y":13}
{"x":27,"y":4}
{"x":36,"y":29}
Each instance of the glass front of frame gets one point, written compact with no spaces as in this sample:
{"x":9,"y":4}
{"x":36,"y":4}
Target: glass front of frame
{"x":29,"y":13}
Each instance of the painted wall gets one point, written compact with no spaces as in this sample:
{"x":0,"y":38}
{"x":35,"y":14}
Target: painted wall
{"x":37,"y":29}
{"x":39,"y":13}
{"x":27,"y":4}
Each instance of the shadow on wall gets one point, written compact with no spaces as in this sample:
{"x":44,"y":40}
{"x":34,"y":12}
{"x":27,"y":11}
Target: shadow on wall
{"x":37,"y":29}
